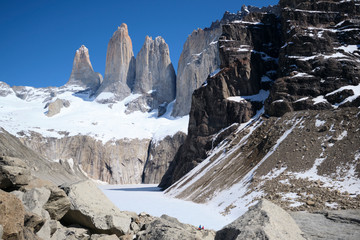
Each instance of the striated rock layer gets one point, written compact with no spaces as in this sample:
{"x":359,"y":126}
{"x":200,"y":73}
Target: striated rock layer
{"x":124,"y":161}
{"x":120,"y":65}
{"x":154,"y":71}
{"x":82,"y":73}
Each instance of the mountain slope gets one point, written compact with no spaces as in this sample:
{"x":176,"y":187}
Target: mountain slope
{"x":304,"y":151}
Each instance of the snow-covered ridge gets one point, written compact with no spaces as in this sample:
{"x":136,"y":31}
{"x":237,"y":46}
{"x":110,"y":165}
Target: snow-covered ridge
{"x":83,"y":117}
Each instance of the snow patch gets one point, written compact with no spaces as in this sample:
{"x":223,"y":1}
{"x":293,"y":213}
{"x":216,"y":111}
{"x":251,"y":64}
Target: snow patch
{"x":319,"y":123}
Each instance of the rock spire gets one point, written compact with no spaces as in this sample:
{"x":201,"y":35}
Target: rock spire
{"x":82,"y":73}
{"x":154,"y":70}
{"x":120,"y":65}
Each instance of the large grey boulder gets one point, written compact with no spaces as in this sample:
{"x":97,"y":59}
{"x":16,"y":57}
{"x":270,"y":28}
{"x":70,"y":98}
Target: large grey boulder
{"x":82,"y":73}
{"x":91,"y":209}
{"x":14,"y":173}
{"x":336,"y":224}
{"x":58,"y":203}
{"x":265,"y":220}
{"x":34,"y":201}
{"x":61,"y":232}
{"x":169,"y":228}
{"x":119,"y":68}
{"x":154,"y":71}
{"x":56,"y":106}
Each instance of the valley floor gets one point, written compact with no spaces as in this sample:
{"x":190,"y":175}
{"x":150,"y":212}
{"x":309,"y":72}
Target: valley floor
{"x":150,"y":199}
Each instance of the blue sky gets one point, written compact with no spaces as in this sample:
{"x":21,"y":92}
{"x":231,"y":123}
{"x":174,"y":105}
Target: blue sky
{"x":39,"y":38}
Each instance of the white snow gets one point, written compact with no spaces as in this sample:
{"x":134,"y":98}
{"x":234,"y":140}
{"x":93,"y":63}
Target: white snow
{"x":319,"y":99}
{"x":104,"y":122}
{"x":148,"y":198}
{"x":236,"y":99}
{"x":319,"y":123}
{"x":355,"y":89}
{"x":215,"y":72}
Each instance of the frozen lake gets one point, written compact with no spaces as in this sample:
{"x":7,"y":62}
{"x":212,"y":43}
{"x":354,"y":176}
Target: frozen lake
{"x":148,"y":198}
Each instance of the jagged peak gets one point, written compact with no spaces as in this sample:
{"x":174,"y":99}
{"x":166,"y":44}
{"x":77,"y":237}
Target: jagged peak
{"x":82,"y":50}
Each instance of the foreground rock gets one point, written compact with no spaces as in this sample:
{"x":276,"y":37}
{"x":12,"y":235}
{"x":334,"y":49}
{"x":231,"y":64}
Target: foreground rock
{"x":169,"y":228}
{"x":263,"y":221}
{"x":14,"y":173}
{"x":91,"y":209}
{"x":12,"y":216}
{"x":341,"y":224}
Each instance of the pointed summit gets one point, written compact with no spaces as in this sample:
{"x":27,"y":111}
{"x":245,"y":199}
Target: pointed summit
{"x":82,"y":73}
{"x":120,"y":65}
{"x":154,"y":70}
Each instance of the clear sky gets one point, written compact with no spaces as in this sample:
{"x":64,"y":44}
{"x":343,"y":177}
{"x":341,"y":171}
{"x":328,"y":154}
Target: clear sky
{"x":38,"y":38}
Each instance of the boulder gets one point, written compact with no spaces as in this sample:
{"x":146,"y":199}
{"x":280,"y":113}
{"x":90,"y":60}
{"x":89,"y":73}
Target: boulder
{"x":12,"y":216}
{"x":265,"y":220}
{"x":169,"y":228}
{"x":1,"y":231}
{"x":33,"y":221}
{"x":58,"y":203}
{"x":103,"y":237}
{"x":34,"y":201}
{"x":55,"y":107}
{"x":61,"y":232}
{"x":91,"y":209}
{"x":14,"y":173}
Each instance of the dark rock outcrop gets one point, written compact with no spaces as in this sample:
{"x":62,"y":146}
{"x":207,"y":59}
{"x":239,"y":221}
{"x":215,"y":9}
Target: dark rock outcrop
{"x":319,"y":55}
{"x":160,"y":155}
{"x":200,"y":57}
{"x":245,"y":60}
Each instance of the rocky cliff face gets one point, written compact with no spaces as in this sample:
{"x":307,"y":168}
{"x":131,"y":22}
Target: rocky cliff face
{"x":161,"y":153}
{"x":320,"y":54}
{"x":154,"y":71}
{"x":200,"y":57}
{"x":301,"y":67}
{"x":124,"y":161}
{"x":217,"y":104}
{"x":56,"y":172}
{"x":82,"y":73}
{"x":120,"y":65}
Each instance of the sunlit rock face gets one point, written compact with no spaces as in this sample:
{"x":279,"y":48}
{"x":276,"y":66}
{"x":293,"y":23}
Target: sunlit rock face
{"x":82,"y":73}
{"x":154,"y":71}
{"x":120,"y":65}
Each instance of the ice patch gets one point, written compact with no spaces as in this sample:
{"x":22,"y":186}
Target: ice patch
{"x":319,"y":123}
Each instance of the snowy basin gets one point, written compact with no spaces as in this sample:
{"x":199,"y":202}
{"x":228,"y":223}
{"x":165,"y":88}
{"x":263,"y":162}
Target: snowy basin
{"x":150,"y":199}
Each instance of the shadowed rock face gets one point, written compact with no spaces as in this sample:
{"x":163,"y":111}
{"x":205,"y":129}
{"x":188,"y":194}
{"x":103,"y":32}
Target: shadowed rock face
{"x":154,"y":71}
{"x":200,"y":57}
{"x":120,"y":65}
{"x":244,"y":60}
{"x":319,"y":55}
{"x":82,"y":73}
